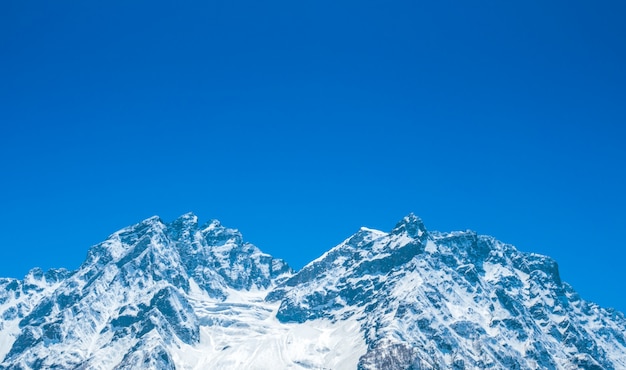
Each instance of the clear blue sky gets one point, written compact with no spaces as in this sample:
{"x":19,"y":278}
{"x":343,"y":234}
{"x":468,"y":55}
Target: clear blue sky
{"x":299,"y":121}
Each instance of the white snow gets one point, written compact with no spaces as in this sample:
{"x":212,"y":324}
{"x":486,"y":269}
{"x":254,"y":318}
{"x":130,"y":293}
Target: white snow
{"x":9,"y":329}
{"x":375,"y":233}
{"x":243,"y":333}
{"x":431,"y":247}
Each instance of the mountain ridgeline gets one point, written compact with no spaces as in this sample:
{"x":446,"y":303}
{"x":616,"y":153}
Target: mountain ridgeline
{"x":182,"y":295}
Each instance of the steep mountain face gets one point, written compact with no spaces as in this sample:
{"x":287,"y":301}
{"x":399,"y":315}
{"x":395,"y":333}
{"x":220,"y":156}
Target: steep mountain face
{"x":128,"y":303}
{"x":455,"y":300}
{"x":184,"y":296}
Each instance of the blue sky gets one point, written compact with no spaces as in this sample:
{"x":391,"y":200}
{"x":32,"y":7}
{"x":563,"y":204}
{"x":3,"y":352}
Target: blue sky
{"x":297,"y":122}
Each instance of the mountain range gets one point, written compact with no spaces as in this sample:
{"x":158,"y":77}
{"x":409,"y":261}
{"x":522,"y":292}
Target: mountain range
{"x":185,"y":295}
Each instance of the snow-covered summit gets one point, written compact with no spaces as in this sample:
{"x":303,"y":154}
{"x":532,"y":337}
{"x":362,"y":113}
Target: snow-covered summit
{"x":184,"y":295}
{"x":411,"y":225}
{"x":131,"y":294}
{"x":453,"y":300}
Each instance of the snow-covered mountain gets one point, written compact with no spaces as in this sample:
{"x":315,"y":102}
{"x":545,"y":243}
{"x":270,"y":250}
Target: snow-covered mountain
{"x":181,"y":295}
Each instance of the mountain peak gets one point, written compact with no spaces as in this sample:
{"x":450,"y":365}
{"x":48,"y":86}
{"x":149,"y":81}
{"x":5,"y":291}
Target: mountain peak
{"x":189,"y":216}
{"x":216,"y":233}
{"x":211,"y":225}
{"x":140,"y":228}
{"x":151,"y":220}
{"x":412,"y":225}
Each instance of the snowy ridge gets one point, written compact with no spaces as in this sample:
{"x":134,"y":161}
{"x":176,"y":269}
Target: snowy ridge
{"x":456,"y":300}
{"x":181,"y":295}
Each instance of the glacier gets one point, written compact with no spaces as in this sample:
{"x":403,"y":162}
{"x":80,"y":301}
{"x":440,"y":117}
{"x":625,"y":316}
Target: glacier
{"x":184,"y":295}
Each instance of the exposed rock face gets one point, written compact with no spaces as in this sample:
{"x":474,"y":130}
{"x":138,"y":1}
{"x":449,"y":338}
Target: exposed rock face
{"x":181,"y":295}
{"x":130,"y":298}
{"x":453,"y":300}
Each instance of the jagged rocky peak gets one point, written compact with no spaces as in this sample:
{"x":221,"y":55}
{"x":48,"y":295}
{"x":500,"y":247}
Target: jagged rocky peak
{"x":350,"y":273}
{"x":411,"y":225}
{"x":122,"y":242}
{"x":132,"y":234}
{"x":131,"y":297}
{"x":183,"y":227}
{"x":218,"y":235}
{"x":202,"y":251}
{"x":431,"y":300}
